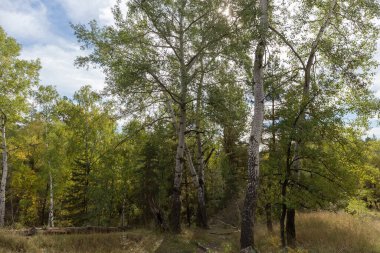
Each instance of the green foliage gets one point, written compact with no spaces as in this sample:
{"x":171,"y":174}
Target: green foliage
{"x":91,"y":130}
{"x":16,"y":78}
{"x":162,"y":58}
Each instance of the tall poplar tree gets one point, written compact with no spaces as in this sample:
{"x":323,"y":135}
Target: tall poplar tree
{"x":17,"y":76}
{"x":250,"y":202}
{"x":152,"y":55}
{"x":329,"y":66}
{"x":47,"y":98}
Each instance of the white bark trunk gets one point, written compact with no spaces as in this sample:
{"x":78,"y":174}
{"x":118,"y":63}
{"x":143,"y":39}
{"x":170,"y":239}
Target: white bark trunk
{"x":200,"y":190}
{"x":176,"y":198}
{"x":197,"y":180}
{"x":201,"y":212}
{"x":51,"y":207}
{"x":178,"y":173}
{"x":246,"y":238}
{"x":4,"y":175}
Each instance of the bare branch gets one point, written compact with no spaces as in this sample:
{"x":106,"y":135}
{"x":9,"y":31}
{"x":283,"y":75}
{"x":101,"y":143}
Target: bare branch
{"x":157,"y":79}
{"x":289,"y":45}
{"x":194,"y":21}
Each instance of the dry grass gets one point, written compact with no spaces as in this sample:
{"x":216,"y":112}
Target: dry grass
{"x":322,"y":232}
{"x":338,"y":232}
{"x":326,"y":232}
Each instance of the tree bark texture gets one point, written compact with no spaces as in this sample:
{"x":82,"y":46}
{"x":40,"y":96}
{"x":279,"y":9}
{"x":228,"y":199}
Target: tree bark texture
{"x":250,"y":202}
{"x":175,"y":216}
{"x":201,"y":209}
{"x":282,"y":225}
{"x":290,"y":228}
{"x":200,"y":190}
{"x":4,"y":174}
{"x":176,"y":197}
{"x":51,"y":207}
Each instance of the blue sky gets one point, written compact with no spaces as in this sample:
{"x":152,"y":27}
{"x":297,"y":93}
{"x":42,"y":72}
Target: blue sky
{"x":43,"y":29}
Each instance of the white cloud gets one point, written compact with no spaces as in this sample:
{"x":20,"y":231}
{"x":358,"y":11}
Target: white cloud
{"x":106,"y":16}
{"x":24,"y":19}
{"x":27,"y":20}
{"x":86,"y":10}
{"x":58,"y":68}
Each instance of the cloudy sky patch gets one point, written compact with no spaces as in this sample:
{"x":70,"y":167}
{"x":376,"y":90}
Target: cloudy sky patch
{"x":43,"y":29}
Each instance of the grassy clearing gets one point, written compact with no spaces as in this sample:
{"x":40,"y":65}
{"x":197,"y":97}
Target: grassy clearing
{"x":316,"y":232}
{"x":330,"y":232}
{"x":325,"y":232}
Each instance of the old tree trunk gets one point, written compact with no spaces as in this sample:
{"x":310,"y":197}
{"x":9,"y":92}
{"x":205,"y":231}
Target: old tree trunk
{"x":5,"y":171}
{"x":201,"y":210}
{"x":246,"y":237}
{"x":175,"y":219}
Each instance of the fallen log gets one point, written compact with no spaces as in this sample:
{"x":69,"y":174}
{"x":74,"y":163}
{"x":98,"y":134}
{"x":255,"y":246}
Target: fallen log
{"x":72,"y":230}
{"x":222,"y":233}
{"x":83,"y":230}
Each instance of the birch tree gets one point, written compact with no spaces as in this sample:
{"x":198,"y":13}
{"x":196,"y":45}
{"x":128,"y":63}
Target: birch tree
{"x":250,"y":202}
{"x":47,"y":97}
{"x":17,"y":76}
{"x":322,"y":48}
{"x":152,"y":54}
{"x":307,"y":68}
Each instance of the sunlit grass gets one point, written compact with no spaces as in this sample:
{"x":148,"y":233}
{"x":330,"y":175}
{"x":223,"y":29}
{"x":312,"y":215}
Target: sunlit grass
{"x":338,"y":232}
{"x":327,"y":232}
{"x":319,"y":232}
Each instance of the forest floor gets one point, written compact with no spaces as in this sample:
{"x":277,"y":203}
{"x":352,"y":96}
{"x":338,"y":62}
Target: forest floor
{"x":322,"y":232}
